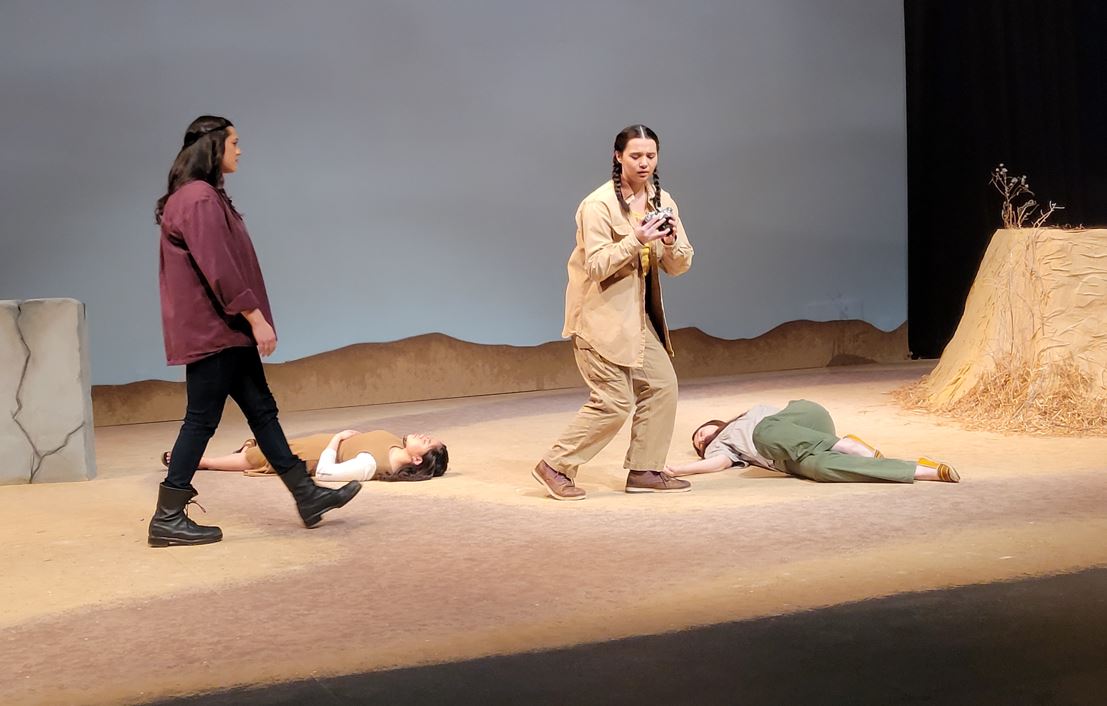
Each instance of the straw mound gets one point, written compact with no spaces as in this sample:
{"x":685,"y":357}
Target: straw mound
{"x":1016,"y":398}
{"x":1030,"y":351}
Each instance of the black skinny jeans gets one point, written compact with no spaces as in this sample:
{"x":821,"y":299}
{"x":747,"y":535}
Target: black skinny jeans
{"x":234,"y":372}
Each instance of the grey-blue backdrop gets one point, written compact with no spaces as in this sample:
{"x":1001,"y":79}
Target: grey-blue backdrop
{"x":414,"y":165}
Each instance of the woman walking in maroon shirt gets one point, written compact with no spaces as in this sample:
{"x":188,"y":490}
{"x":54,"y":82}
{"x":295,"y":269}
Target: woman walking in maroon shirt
{"x":217,"y":323}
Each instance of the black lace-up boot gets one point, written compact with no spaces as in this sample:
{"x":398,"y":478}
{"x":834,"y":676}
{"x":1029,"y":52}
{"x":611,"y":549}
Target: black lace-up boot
{"x":171,"y":524}
{"x":313,"y":500}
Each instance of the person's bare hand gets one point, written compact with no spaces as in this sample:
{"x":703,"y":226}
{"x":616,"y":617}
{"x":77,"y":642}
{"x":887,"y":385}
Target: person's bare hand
{"x":670,"y":237}
{"x":346,"y":434}
{"x":265,"y":337}
{"x":651,"y":229}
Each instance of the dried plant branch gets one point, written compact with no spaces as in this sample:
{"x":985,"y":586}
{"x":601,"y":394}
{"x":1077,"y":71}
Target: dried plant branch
{"x":1016,"y":214}
{"x":1044,"y":215}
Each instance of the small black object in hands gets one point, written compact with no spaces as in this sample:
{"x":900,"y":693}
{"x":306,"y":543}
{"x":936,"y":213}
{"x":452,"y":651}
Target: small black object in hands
{"x":665,"y":215}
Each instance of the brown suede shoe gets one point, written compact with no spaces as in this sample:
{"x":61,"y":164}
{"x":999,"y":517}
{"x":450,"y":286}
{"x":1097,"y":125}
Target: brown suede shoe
{"x":557,"y":484}
{"x":655,"y":482}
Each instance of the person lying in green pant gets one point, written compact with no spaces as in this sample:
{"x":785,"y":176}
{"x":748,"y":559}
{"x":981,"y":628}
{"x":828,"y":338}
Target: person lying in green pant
{"x":800,"y":440}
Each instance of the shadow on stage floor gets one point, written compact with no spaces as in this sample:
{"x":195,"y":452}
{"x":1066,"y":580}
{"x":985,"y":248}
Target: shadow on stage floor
{"x":1038,"y":641}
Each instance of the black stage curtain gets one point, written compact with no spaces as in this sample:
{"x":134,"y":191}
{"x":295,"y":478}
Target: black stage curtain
{"x":1023,"y":82}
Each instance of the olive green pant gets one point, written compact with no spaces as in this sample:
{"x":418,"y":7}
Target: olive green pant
{"x":650,"y":391}
{"x":799,"y":438}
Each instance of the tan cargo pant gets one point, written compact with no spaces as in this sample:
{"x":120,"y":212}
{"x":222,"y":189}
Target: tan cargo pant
{"x":650,"y":392}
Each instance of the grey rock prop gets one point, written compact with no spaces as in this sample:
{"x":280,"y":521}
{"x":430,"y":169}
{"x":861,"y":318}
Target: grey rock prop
{"x":46,"y":432}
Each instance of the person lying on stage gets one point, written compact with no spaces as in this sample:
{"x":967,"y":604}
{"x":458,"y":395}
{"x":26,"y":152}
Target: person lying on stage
{"x":800,"y":440}
{"x":347,"y":455}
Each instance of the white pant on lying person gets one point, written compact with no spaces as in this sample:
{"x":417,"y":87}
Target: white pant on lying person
{"x":361,"y":467}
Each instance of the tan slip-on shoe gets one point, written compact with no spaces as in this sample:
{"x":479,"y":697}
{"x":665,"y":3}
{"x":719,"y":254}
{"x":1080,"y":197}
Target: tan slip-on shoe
{"x":875,"y":451}
{"x":946,"y":472}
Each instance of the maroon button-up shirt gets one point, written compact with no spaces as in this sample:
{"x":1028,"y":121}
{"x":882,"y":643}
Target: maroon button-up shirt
{"x":209,"y":275}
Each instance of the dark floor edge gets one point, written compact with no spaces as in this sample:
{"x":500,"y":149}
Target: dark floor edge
{"x":1040,"y":640}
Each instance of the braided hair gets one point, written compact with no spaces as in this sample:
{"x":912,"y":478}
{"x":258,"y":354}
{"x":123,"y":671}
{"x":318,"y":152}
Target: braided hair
{"x":626,"y":135}
{"x":200,"y":159}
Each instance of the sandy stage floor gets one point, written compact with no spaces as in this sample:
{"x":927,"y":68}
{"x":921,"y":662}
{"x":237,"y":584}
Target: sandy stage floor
{"x":481,"y":562}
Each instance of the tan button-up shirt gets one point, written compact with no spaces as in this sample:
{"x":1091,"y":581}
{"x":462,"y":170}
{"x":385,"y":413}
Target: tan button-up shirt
{"x":605,"y":302}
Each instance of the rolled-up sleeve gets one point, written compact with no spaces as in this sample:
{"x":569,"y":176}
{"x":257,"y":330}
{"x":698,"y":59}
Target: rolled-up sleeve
{"x":205,"y":232}
{"x":677,"y":259}
{"x":722,"y":448}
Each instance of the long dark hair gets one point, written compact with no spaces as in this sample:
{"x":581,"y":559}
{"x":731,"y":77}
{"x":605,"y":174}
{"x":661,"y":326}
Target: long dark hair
{"x":432,"y":465}
{"x":718,"y":423}
{"x":200,"y":159}
{"x":629,"y":133}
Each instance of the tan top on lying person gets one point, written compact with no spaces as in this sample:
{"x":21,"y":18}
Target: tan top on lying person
{"x":347,"y":455}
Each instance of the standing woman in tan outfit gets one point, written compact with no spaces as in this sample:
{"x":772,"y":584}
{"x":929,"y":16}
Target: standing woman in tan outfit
{"x":626,"y":233}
